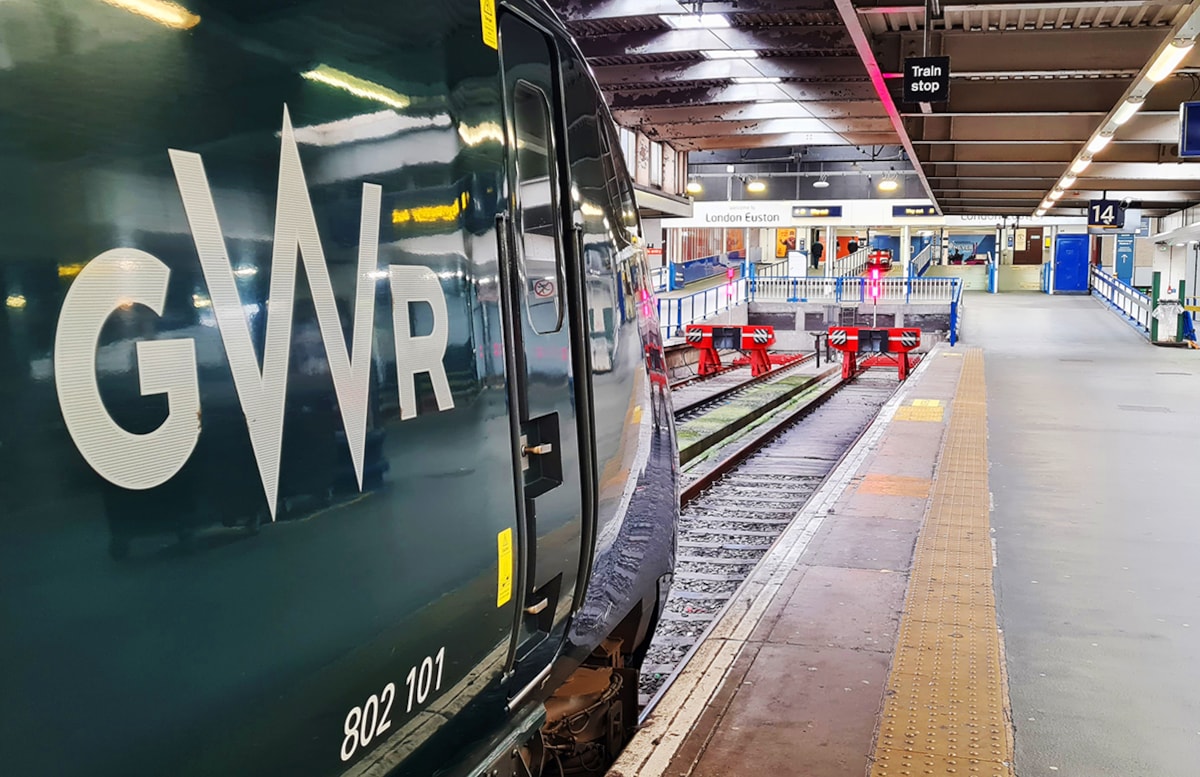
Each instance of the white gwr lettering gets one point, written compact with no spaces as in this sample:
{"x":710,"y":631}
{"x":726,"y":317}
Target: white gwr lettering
{"x":115,"y":279}
{"x":123,"y":276}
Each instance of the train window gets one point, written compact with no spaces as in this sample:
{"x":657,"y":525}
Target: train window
{"x":541,"y":254}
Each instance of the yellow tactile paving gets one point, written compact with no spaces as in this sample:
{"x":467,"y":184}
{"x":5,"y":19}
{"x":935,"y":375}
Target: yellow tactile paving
{"x":946,"y":712}
{"x":920,"y":413}
{"x":895,"y":485}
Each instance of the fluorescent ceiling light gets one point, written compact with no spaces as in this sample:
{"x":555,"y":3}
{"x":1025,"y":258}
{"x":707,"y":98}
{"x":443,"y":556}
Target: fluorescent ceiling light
{"x":359,"y":87}
{"x":1126,"y":111}
{"x":1047,"y":204}
{"x":694,"y":187}
{"x":1098,"y":143}
{"x":730,"y":53}
{"x":757,"y":187}
{"x":756,"y":79}
{"x":1169,"y":59}
{"x":1067,"y":180}
{"x":1080,"y":165}
{"x":1056,"y":194}
{"x":1039,"y":213}
{"x":702,"y":21}
{"x":164,"y":12}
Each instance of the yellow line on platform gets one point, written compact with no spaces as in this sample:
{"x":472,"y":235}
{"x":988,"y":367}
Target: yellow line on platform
{"x":946,"y":711}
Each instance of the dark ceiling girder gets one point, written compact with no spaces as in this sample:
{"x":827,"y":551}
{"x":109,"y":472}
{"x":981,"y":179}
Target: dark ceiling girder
{"x":784,"y":140}
{"x":703,"y":129}
{"x":833,"y":113}
{"x":740,"y":93}
{"x":621,"y":9}
{"x":1091,"y":48}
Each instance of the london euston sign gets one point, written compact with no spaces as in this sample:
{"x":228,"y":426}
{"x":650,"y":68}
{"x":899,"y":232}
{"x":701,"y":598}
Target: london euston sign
{"x":926,"y":79}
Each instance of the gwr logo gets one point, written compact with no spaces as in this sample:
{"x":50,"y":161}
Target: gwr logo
{"x":123,"y":276}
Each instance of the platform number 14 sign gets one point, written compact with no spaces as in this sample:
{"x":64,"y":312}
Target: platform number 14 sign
{"x":1106,"y":214}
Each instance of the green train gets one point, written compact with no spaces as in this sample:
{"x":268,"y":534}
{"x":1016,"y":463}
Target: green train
{"x":335,"y":434}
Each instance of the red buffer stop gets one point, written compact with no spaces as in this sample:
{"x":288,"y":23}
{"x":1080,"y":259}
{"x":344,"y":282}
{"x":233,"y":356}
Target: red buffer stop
{"x":754,"y":341}
{"x":891,"y":345}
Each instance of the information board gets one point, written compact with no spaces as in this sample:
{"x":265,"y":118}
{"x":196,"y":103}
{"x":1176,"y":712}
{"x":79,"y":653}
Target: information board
{"x":1105,"y":214}
{"x":1189,"y":129}
{"x":816,"y":212}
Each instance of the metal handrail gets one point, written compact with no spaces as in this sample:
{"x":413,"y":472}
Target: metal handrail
{"x":854,"y":289}
{"x":675,"y":313}
{"x":1134,"y":306}
{"x":851,"y":264}
{"x":918,"y":266}
{"x":659,"y":276}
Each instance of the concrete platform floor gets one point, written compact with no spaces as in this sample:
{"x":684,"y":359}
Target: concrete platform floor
{"x":1093,"y":437}
{"x":1095,"y":450}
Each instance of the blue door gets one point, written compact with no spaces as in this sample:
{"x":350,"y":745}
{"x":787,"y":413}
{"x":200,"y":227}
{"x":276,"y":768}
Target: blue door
{"x":1071,"y":264}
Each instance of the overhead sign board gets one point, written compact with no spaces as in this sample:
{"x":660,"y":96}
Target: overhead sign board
{"x":736,"y":214}
{"x":816,"y":212}
{"x":926,"y":79}
{"x":1189,"y":129}
{"x":1105,"y":214}
{"x":1124,"y":258}
{"x":908,"y":211}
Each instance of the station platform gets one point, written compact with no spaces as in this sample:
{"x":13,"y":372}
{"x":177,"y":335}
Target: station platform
{"x":999,"y":578}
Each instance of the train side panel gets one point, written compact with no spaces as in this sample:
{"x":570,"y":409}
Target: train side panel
{"x":223,"y":550}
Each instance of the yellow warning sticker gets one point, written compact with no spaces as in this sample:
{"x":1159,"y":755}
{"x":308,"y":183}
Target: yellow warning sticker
{"x":487,"y":12}
{"x":504,"y":574}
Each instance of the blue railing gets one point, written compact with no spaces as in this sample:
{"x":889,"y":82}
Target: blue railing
{"x":855,"y":289}
{"x":955,"y":310}
{"x":674,"y":313}
{"x":659,"y":276}
{"x":1131,"y":304}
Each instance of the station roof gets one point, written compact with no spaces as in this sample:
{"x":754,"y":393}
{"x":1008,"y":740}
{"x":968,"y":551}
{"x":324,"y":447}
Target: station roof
{"x":1033,"y":84}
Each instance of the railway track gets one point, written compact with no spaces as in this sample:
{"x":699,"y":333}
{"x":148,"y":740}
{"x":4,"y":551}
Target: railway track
{"x":726,"y":386}
{"x":732,"y":513}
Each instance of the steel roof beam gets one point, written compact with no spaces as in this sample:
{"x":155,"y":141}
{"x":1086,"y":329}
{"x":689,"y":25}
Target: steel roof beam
{"x":700,"y":129}
{"x":863,"y":46}
{"x":802,"y":68}
{"x":793,"y":139}
{"x":739,"y":93}
{"x":593,"y":10}
{"x":786,"y":38}
{"x":784,"y":109}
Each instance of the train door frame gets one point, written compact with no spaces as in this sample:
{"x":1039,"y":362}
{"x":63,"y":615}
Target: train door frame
{"x":537,"y":444}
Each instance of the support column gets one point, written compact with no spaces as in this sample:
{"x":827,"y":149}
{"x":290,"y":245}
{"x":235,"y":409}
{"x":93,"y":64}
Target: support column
{"x":830,"y":249}
{"x":1155,"y":287}
{"x":905,"y":249}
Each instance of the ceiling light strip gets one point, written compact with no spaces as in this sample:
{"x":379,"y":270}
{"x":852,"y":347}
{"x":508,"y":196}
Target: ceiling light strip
{"x":1171,"y":53}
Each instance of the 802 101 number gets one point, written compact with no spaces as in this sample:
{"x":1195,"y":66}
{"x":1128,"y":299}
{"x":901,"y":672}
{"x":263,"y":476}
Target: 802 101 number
{"x":365,"y":723}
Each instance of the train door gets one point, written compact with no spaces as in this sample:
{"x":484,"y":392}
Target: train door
{"x":541,"y":345}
